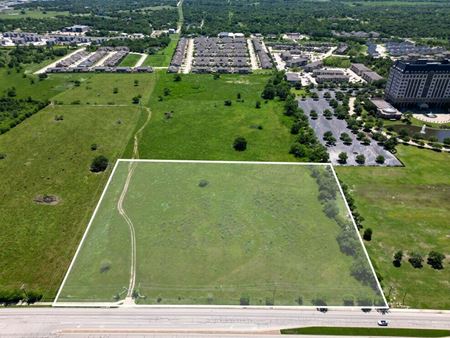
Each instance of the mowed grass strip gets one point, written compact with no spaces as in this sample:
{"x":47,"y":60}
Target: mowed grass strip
{"x":192,"y":122}
{"x":215,"y":234}
{"x":49,"y":157}
{"x":365,"y":331}
{"x":130,"y":60}
{"x":407,"y":209}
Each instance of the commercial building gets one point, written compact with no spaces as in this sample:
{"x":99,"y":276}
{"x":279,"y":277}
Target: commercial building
{"x":420,"y":83}
{"x":385,"y":109}
{"x":366,"y":73}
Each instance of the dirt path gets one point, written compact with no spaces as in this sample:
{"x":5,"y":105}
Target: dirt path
{"x":123,"y":213}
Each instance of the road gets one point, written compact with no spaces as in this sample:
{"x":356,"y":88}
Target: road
{"x":176,"y":321}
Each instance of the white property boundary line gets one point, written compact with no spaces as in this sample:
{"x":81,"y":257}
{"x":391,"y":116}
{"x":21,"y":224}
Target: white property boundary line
{"x":85,"y":233}
{"x":118,"y":304}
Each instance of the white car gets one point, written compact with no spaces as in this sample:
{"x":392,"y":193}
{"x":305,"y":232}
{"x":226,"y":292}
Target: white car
{"x":382,"y":322}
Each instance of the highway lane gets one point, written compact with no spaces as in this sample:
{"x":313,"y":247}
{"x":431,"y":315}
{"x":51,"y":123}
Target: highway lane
{"x":175,"y":322}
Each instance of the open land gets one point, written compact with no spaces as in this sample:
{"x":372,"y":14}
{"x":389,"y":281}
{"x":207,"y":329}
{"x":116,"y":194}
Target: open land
{"x":407,"y":208}
{"x":162,"y":57}
{"x":217,"y":233}
{"x":130,"y":60}
{"x":199,"y":126}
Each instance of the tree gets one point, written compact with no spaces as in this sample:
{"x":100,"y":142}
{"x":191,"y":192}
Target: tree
{"x":115,"y":90}
{"x":447,"y":141}
{"x":269,"y":92}
{"x":238,"y":96}
{"x":380,"y":159}
{"x":136,"y":83}
{"x":390,"y":144}
{"x":343,"y":157}
{"x":240,"y":144}
{"x":313,"y":115}
{"x":99,"y":164}
{"x":258,"y":105}
{"x":33,"y":297}
{"x":367,"y":236}
{"x":177,"y":78}
{"x":360,"y":159}
{"x":227,"y":103}
{"x":398,"y":256}
{"x":136,"y":99}
{"x":328,"y":114}
{"x":331,"y":209}
{"x":346,"y":139}
{"x":416,"y":260}
{"x":435,"y":260}
{"x":166,"y":91}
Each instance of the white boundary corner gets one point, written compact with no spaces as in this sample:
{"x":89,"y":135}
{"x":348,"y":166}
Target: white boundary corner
{"x":119,"y":303}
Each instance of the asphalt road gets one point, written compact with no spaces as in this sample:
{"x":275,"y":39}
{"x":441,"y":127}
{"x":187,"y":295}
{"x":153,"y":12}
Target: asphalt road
{"x":187,"y":322}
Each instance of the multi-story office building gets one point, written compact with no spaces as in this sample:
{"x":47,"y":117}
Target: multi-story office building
{"x":418,"y":83}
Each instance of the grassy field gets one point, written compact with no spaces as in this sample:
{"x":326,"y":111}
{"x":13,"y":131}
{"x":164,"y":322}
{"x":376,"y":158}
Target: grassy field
{"x":32,"y":14}
{"x":99,"y":89}
{"x":130,"y":60}
{"x":408,"y":209}
{"x":163,"y":57}
{"x":365,"y":331}
{"x":39,"y":90}
{"x":337,"y":61}
{"x":44,"y":156}
{"x":250,"y":231}
{"x":202,"y":127}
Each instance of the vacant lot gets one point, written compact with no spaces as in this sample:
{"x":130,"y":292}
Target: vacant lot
{"x":109,"y":89}
{"x":49,"y":157}
{"x":163,"y":57}
{"x":408,"y":209}
{"x":130,"y":60}
{"x":192,"y":121}
{"x":212,"y":233}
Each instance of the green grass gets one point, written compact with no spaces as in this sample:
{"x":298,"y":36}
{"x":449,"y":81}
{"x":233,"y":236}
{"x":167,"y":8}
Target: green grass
{"x":202,"y":127}
{"x":408,"y":209}
{"x":366,"y":331}
{"x":44,"y":156}
{"x":130,"y":60}
{"x":32,"y":14}
{"x":254,"y":231}
{"x":337,"y":61}
{"x":98,"y":89}
{"x":40,"y":89}
{"x":163,"y":57}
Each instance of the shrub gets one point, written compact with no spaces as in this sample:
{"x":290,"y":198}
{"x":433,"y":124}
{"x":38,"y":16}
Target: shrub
{"x":343,"y":157}
{"x":244,"y":300}
{"x":94,"y":146}
{"x":331,"y":209}
{"x":398,"y":256}
{"x":177,"y":78}
{"x":2,"y":156}
{"x":227,"y":103}
{"x":380,"y":159}
{"x":240,"y":144}
{"x":367,"y":234}
{"x":115,"y":90}
{"x":99,"y":164}
{"x":435,"y":260}
{"x":258,"y":105}
{"x":360,"y":159}
{"x":416,"y":260}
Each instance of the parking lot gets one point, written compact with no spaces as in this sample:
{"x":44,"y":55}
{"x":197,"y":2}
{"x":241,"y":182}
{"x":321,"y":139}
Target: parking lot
{"x":322,"y":125}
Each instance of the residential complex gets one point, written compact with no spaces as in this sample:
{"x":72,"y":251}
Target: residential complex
{"x":421,"y":82}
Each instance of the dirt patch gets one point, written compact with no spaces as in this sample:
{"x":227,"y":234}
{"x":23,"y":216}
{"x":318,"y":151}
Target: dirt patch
{"x":47,"y":199}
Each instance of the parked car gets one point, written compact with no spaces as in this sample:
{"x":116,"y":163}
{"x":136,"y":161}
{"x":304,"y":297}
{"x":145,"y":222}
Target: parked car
{"x":382,"y":322}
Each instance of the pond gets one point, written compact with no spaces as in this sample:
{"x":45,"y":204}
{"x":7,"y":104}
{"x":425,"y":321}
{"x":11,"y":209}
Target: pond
{"x":440,"y":134}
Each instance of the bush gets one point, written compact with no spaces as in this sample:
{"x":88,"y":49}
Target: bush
{"x":380,"y":159}
{"x":416,"y":260}
{"x":367,"y":234}
{"x":177,"y":78}
{"x":343,"y":157}
{"x":240,"y":144}
{"x":360,"y":159}
{"x":2,"y":156}
{"x":398,"y":256}
{"x":331,"y":209}
{"x":227,"y":103}
{"x":94,"y":146}
{"x":99,"y":164}
{"x":435,"y":260}
{"x":244,"y":300}
{"x":258,"y":105}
